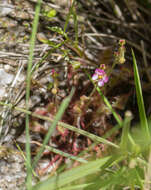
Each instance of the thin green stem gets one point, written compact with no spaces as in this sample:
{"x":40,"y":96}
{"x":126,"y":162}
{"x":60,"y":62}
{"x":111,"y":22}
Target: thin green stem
{"x":31,"y":53}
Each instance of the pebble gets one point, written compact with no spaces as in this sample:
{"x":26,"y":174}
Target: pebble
{"x":5,"y":78}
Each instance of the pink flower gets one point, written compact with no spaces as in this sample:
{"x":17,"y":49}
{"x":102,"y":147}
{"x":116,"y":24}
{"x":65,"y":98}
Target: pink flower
{"x":122,"y":42}
{"x":53,"y":73}
{"x":100,"y":77}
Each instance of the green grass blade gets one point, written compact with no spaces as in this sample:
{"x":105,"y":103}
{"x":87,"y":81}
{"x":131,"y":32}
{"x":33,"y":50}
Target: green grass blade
{"x":75,"y":187}
{"x":89,"y":135}
{"x":75,"y":26}
{"x":67,"y":177}
{"x":64,"y":154}
{"x":140,"y":102}
{"x":125,"y":131}
{"x":31,"y":53}
{"x":59,"y":114}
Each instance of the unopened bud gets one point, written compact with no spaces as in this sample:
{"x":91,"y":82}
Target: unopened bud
{"x":54,"y":91}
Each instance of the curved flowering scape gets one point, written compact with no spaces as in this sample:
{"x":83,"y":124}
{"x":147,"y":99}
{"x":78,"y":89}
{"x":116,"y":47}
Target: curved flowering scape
{"x":100,"y":77}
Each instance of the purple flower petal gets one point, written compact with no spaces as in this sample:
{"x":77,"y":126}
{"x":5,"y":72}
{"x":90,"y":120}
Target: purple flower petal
{"x":100,"y":83}
{"x":94,"y":77}
{"x":105,"y":79}
{"x":99,"y":71}
{"x":100,"y":76}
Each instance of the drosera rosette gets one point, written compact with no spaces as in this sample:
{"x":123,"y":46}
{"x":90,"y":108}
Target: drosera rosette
{"x":100,"y":77}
